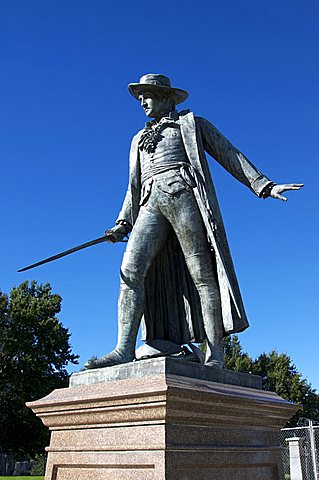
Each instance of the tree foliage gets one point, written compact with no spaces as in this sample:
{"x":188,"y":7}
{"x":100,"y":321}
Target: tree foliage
{"x":234,"y":357}
{"x":34,"y":351}
{"x":279,"y":374}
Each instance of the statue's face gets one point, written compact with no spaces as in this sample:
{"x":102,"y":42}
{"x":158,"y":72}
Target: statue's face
{"x":154,"y":106}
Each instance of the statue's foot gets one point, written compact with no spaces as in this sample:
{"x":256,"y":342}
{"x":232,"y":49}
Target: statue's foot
{"x":215,"y":363}
{"x":113,"y":358}
{"x":214,"y":357}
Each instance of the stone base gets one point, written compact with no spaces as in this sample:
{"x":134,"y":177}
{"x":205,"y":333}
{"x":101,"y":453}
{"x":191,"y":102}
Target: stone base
{"x":157,"y":423}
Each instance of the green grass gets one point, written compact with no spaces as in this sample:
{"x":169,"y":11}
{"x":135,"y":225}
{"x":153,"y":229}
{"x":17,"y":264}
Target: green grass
{"x":22,"y":478}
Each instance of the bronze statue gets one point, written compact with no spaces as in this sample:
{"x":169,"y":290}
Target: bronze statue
{"x":177,"y":273}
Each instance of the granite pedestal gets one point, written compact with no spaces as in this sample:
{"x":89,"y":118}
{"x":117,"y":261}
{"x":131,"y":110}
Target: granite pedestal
{"x":163,"y":419}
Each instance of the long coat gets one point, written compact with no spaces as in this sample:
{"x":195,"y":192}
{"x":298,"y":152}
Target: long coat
{"x":172,"y":310}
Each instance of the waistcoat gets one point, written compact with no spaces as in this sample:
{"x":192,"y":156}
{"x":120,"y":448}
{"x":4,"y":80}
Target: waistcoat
{"x":169,"y":149}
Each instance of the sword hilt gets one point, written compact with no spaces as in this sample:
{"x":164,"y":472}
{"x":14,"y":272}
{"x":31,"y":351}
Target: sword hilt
{"x":114,"y":237}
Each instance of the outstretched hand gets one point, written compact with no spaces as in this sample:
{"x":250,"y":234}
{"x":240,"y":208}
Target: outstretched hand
{"x":278,"y":189}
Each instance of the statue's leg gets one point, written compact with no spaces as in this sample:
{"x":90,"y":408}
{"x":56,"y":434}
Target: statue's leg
{"x":148,"y":236}
{"x":201,"y":270}
{"x":184,"y":215}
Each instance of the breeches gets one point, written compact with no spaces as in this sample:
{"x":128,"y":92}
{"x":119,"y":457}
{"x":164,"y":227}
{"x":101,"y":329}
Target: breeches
{"x":162,"y":212}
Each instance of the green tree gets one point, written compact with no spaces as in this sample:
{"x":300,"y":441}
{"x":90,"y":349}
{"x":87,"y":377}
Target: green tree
{"x":34,"y":352}
{"x":234,"y":356}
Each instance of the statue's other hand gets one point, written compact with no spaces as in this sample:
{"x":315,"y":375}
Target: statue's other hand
{"x":116,"y":234}
{"x":278,"y":189}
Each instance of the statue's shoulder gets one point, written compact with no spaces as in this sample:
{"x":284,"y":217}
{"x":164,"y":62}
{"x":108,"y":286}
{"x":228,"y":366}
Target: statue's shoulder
{"x":205,"y":125}
{"x":201,"y":120}
{"x":136,"y":137}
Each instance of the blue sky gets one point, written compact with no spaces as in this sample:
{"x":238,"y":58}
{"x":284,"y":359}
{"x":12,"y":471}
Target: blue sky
{"x":66,"y":121}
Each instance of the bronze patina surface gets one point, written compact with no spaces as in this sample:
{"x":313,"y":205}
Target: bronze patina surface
{"x":177,"y":273}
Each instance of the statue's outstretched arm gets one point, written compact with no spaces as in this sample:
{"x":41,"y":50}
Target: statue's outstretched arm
{"x":220,"y":148}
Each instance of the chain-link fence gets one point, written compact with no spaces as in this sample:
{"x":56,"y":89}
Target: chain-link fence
{"x":6,"y":464}
{"x":300,"y":452}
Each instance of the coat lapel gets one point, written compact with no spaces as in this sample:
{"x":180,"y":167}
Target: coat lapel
{"x":188,"y":131}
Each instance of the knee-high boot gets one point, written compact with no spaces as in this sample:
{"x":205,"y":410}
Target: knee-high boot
{"x":211,"y":311}
{"x":201,"y":270}
{"x":130,"y":310}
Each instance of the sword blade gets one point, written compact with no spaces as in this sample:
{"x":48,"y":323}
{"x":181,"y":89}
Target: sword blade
{"x":66,"y":252}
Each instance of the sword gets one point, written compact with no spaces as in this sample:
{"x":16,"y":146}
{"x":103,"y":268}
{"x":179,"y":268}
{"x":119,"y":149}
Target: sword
{"x":109,"y":236}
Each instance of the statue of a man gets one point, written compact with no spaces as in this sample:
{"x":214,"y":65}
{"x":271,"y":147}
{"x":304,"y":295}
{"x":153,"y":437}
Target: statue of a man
{"x":177,"y":273}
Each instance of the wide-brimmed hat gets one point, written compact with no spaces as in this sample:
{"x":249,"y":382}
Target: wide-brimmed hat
{"x":157,"y":83}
